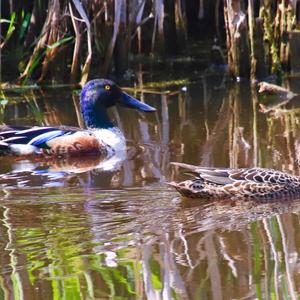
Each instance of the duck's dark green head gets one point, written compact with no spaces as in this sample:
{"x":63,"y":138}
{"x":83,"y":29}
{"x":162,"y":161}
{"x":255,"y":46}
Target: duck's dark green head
{"x":99,"y":94}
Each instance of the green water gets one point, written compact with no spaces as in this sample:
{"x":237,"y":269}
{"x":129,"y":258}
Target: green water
{"x":78,"y":229}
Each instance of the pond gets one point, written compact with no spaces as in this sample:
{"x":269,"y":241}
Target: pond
{"x":91,"y":229}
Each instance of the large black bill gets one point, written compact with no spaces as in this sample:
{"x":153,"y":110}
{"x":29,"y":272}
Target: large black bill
{"x":129,"y":101}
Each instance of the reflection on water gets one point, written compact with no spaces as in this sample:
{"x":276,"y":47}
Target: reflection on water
{"x":81,"y":229}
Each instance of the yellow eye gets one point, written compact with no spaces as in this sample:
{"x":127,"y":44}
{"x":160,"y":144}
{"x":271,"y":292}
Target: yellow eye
{"x":107,"y":87}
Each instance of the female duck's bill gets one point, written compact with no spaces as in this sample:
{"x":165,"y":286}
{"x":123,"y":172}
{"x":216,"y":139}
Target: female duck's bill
{"x":101,"y":136}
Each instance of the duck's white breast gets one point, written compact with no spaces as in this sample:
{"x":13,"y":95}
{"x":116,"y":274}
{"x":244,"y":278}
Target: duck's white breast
{"x":113,"y":137}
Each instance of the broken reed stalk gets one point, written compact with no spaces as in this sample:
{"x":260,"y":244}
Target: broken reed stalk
{"x":123,"y":40}
{"x":130,"y":20}
{"x":233,"y":127}
{"x":180,"y":23}
{"x":255,"y":127}
{"x":158,"y":29}
{"x":76,"y":105}
{"x":74,"y":67}
{"x":56,"y":34}
{"x":237,"y":43}
{"x":138,"y":23}
{"x":251,"y":24}
{"x":110,"y":49}
{"x":87,"y":64}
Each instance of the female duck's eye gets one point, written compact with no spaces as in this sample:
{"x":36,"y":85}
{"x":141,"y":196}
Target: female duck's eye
{"x":107,"y":87}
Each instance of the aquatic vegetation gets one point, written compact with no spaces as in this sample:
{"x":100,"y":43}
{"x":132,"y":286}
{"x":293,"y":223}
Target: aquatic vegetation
{"x":76,"y":39}
{"x":105,"y":31}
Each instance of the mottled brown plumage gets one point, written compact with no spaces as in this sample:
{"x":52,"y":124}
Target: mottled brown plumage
{"x":253,"y":183}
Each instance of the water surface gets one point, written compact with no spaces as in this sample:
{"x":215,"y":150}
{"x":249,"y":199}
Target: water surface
{"x":82,"y":229}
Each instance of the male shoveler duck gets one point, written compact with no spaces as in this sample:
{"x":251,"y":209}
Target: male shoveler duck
{"x":252,"y":183}
{"x":100,"y":137}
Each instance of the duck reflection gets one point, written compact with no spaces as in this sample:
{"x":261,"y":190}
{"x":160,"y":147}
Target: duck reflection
{"x":88,"y":171}
{"x":190,"y":244}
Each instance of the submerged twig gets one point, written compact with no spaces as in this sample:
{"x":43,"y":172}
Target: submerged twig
{"x":272,"y":108}
{"x":282,"y":95}
{"x":274,"y":89}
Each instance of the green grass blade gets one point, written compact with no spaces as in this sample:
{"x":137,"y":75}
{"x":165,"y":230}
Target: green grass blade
{"x":24,"y":25}
{"x":11,"y":27}
{"x":60,"y":42}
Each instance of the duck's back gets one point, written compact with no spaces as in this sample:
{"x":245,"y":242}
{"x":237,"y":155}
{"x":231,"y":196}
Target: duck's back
{"x":237,"y":183}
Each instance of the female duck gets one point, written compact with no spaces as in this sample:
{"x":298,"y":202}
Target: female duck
{"x":253,"y":183}
{"x":101,"y":137}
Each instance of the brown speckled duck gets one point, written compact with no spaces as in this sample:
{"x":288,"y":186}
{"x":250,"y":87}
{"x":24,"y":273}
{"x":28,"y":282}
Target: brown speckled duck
{"x":252,"y":183}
